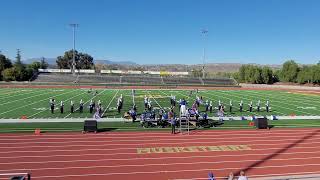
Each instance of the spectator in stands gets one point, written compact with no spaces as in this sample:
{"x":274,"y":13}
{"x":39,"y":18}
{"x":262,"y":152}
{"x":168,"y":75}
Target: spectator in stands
{"x":242,"y":176}
{"x":231,"y":176}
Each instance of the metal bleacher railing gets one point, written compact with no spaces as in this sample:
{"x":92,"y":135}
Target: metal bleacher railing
{"x":132,"y":79}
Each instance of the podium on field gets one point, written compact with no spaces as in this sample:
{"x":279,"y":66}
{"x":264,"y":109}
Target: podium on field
{"x":90,"y":126}
{"x":261,"y":123}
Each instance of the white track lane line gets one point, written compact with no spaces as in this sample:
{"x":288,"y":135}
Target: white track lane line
{"x":216,"y":140}
{"x":159,"y":164}
{"x":134,"y":148}
{"x":167,"y":171}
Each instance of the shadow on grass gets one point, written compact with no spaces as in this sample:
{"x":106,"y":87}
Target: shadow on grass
{"x":208,"y":124}
{"x":270,"y":126}
{"x":273,"y":155}
{"x":106,"y":129}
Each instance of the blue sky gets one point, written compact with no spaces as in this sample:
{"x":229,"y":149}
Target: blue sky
{"x":165,"y":31}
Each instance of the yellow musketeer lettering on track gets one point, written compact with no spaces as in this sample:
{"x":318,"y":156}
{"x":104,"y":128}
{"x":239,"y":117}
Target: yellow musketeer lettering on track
{"x":157,"y":150}
{"x":143,"y":150}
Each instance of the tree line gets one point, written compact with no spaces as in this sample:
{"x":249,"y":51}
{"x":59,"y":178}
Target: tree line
{"x":290,"y":72}
{"x":18,"y":71}
{"x":82,"y":60}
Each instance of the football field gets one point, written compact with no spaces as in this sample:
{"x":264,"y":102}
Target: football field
{"x":34,"y":103}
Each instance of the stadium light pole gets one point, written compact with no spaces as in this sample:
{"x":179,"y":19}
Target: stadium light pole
{"x":74,"y":26}
{"x":204,"y":33}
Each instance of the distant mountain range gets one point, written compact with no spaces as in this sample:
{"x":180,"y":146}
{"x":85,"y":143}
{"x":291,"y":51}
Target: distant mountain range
{"x":114,"y":62}
{"x":129,"y":65}
{"x":52,"y":61}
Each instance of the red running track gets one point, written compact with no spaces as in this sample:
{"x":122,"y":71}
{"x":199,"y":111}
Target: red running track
{"x":113,"y":155}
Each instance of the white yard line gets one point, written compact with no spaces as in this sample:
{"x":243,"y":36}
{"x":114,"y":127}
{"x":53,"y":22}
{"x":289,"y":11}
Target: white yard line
{"x":46,"y":99}
{"x":25,"y":98}
{"x":246,"y":99}
{"x":49,"y":108}
{"x":281,"y":106}
{"x":154,"y":99}
{"x":110,"y":103}
{"x":8,"y":91}
{"x":19,"y":94}
{"x":133,"y":96}
{"x":85,"y":103}
{"x":300,"y":101}
{"x":227,"y":97}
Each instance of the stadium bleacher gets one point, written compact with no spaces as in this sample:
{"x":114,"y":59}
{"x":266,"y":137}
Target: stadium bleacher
{"x":54,"y":77}
{"x":132,"y":79}
{"x":220,"y":81}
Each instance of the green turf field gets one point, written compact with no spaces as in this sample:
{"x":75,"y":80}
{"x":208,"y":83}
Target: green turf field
{"x":34,"y":103}
{"x":125,"y":126}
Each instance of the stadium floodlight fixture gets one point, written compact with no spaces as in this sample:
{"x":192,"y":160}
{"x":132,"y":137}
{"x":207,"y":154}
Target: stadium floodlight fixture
{"x":74,"y":26}
{"x":204,"y":33}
